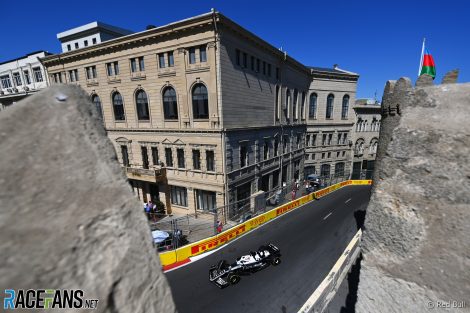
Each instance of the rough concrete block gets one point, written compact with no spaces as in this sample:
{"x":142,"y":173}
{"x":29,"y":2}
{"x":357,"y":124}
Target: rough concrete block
{"x":450,"y":77}
{"x":416,"y":240}
{"x":68,"y":218}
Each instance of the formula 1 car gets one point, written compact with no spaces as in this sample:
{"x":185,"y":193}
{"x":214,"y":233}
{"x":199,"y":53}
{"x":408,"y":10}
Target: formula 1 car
{"x":224,"y":274}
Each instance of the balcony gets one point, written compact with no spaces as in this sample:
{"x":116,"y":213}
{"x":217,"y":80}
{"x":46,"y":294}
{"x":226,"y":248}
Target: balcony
{"x":150,"y":175}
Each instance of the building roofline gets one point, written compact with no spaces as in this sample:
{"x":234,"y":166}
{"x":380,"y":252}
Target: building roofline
{"x":90,"y":26}
{"x":134,"y":36}
{"x":26,"y":56}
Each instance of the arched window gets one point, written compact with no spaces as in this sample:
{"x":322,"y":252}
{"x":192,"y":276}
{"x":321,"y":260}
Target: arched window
{"x":358,"y":125}
{"x":142,"y":106}
{"x":325,"y":170}
{"x":288,"y":102}
{"x":339,"y":169}
{"x":277,"y":103}
{"x":359,"y":147}
{"x":200,"y":102}
{"x":118,"y":107}
{"x":294,"y":105}
{"x":345,"y":107}
{"x":302,"y":106}
{"x":329,"y":106}
{"x":170,"y":105}
{"x":312,"y":111}
{"x":97,"y":102}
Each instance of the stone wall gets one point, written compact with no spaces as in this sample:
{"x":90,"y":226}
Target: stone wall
{"x":68,"y":218}
{"x":416,"y":241}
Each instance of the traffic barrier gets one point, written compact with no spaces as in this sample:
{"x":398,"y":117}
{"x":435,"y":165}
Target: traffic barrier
{"x":182,"y":255}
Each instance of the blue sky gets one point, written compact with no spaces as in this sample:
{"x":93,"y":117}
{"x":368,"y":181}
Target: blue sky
{"x":380,"y":40}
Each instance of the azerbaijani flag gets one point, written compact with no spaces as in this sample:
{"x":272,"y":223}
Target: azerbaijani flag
{"x":428,"y":66}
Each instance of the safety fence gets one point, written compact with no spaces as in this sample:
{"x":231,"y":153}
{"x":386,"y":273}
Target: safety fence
{"x":202,"y":224}
{"x":182,"y":255}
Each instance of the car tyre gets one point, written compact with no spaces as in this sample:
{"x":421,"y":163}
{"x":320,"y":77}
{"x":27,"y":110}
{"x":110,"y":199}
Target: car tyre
{"x":233,"y":279}
{"x":276,"y":261}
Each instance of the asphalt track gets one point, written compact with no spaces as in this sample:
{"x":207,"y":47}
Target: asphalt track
{"x":311,"y":239}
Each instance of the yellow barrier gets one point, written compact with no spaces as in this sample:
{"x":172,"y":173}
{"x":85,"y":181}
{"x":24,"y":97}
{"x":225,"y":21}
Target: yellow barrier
{"x":207,"y":244}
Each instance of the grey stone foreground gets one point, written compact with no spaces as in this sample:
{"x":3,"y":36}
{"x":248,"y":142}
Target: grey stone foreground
{"x":68,"y":218}
{"x":417,"y":229}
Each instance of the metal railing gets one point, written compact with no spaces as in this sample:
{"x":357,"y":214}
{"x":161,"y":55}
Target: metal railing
{"x":194,"y":227}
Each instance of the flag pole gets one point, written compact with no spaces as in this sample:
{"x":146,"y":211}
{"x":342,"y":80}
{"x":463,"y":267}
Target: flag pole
{"x":421,"y":60}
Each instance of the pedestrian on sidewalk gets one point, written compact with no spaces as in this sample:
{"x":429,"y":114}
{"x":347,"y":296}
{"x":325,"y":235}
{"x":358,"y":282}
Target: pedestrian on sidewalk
{"x":219,"y":227}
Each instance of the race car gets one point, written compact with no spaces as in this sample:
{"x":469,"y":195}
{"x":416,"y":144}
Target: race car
{"x":224,"y":274}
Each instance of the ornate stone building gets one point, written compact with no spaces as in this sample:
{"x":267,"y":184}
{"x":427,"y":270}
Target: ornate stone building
{"x":330,"y":122}
{"x":366,"y":137}
{"x":201,"y":112}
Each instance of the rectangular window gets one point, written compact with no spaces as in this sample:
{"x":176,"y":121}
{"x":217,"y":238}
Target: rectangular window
{"x":266,"y":150}
{"x":27,"y":78}
{"x":237,"y":57}
{"x":196,"y":159}
{"x":57,"y":78}
{"x":338,"y":141}
{"x":245,"y":60}
{"x":73,"y":75}
{"x":179,"y":195}
{"x":307,"y":141}
{"x":337,"y":154}
{"x":6,"y":82}
{"x":37,"y":74}
{"x":330,"y":138}
{"x":202,"y":54}
{"x":76,"y":45}
{"x":252,"y":63}
{"x":116,"y":68}
{"x":345,"y":137}
{"x":323,"y":155}
{"x":210,"y":161}
{"x":314,"y":140}
{"x":109,"y":69}
{"x":145,"y":157}
{"x":243,"y":156}
{"x":125,"y":156}
{"x":323,"y":142}
{"x":17,"y":79}
{"x":277,"y":73}
{"x":258,"y":62}
{"x":85,"y":43}
{"x":269,"y":70}
{"x":205,"y":200}
{"x":299,"y":141}
{"x":161,"y":60}
{"x":155,"y":155}
{"x":329,"y":155}
{"x":285,"y":144}
{"x":313,"y":156}
{"x":192,"y":55}
{"x":180,"y":156}
{"x":69,"y":48}
{"x":141,"y":64}
{"x":171,"y":60}
{"x":91,"y":72}
{"x":276,"y":147}
{"x":264,"y":68}
{"x":94,"y":40}
{"x":169,"y":157}
{"x":133,"y":65}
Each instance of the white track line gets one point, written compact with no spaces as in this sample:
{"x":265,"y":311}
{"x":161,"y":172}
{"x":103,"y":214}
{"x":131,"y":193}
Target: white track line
{"x":347,"y":200}
{"x":327,"y":216}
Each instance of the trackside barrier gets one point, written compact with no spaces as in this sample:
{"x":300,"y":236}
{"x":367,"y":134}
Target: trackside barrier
{"x":181,"y":255}
{"x":327,"y":289}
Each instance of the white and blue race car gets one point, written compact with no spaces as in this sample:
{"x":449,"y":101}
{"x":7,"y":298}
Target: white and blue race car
{"x":224,"y":274}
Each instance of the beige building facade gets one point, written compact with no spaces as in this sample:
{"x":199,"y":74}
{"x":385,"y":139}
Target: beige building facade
{"x":368,"y":115}
{"x":201,"y":111}
{"x":330,"y":122}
